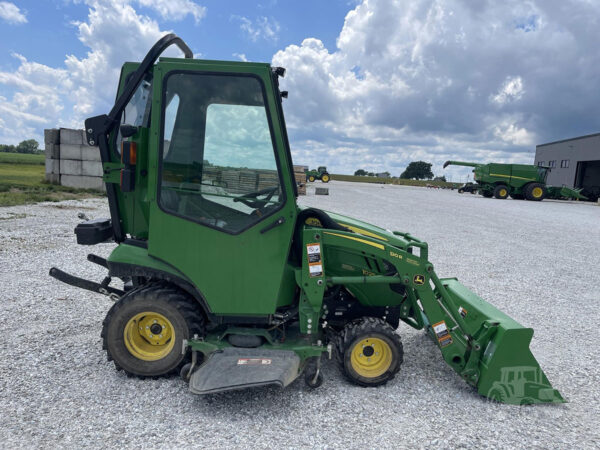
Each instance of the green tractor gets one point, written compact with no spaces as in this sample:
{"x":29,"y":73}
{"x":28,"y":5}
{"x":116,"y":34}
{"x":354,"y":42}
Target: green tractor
{"x":220,"y":276}
{"x":520,"y":181}
{"x":319,"y":174}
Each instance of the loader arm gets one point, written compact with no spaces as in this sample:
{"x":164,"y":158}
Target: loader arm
{"x":476,"y":340}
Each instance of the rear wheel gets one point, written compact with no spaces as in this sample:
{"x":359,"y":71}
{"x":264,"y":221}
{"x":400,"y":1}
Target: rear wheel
{"x":501,"y":192}
{"x":369,"y":352}
{"x":536,"y":192}
{"x":143,"y":332}
{"x":325,"y":178}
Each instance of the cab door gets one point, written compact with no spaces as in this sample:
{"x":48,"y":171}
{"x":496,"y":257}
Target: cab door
{"x":225,"y":206}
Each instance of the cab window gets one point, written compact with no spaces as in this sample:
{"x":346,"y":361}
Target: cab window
{"x":218,"y":164}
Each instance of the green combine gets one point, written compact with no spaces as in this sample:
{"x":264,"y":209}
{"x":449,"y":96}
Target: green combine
{"x":319,"y":174}
{"x":220,"y":276}
{"x":520,"y":181}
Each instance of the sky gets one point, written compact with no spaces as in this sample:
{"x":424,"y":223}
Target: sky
{"x":373,"y":84}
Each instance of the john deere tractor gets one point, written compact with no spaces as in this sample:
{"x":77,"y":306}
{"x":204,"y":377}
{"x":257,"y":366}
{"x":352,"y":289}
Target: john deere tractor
{"x":319,"y":174}
{"x":220,"y":276}
{"x":520,"y":181}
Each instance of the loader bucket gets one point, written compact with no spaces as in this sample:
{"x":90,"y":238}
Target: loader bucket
{"x":508,"y":371}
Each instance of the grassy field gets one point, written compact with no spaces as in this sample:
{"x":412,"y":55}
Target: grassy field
{"x":22,"y":158}
{"x":394,"y":181}
{"x":22,"y":182}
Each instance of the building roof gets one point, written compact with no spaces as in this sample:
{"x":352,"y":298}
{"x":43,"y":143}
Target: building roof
{"x":567,"y":140}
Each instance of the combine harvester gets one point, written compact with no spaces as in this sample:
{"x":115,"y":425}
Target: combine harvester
{"x":520,"y":181}
{"x":227,"y":281}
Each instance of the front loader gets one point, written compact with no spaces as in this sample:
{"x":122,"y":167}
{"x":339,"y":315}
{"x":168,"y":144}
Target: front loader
{"x":220,"y":276}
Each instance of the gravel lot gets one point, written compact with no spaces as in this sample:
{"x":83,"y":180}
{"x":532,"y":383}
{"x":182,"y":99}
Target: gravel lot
{"x":538,"y":262}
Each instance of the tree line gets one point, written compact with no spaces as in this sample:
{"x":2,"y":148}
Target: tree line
{"x":416,"y":170}
{"x":27,"y":146}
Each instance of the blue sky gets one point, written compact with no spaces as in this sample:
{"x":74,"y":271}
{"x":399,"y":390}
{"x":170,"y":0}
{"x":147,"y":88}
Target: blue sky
{"x":373,"y":84}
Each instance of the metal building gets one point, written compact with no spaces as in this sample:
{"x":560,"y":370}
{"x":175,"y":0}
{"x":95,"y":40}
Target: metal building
{"x":575,"y":163}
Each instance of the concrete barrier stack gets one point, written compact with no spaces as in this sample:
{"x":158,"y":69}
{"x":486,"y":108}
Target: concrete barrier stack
{"x":70,"y":161}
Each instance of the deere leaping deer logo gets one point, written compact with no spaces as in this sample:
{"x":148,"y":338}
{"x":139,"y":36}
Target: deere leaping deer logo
{"x":419,"y":280}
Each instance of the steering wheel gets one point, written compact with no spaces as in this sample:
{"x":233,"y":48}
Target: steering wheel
{"x":252,"y":201}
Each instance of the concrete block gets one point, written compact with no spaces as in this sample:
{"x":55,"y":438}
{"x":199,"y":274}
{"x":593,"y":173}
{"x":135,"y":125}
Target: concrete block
{"x":70,"y":136}
{"x":53,"y":178}
{"x":82,"y":182}
{"x":91,"y":168}
{"x":52,"y":166}
{"x":70,"y":167}
{"x":89,"y":153}
{"x":321,"y":191}
{"x":52,"y":151}
{"x":70,"y":151}
{"x":51,"y":136}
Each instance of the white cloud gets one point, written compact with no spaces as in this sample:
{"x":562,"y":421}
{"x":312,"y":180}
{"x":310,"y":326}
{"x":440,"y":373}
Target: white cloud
{"x":46,"y":97}
{"x":261,"y":28}
{"x":240,"y":56}
{"x":175,"y":9}
{"x":512,"y":89}
{"x":443,"y":79}
{"x":11,"y":13}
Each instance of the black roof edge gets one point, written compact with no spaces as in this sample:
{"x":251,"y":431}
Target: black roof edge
{"x":567,"y":140}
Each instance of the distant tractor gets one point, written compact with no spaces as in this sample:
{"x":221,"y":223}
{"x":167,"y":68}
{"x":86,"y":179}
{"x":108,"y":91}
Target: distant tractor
{"x":319,"y":174}
{"x":520,"y":181}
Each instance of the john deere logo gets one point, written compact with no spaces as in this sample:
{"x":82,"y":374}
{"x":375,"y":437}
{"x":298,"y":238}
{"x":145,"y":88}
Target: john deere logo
{"x":419,"y":279}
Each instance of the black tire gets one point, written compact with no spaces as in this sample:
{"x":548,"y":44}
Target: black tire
{"x":362,"y":330}
{"x":311,"y":179}
{"x":535,"y":192}
{"x":325,"y":177}
{"x":461,"y":190}
{"x":487,"y":194}
{"x":183,"y":319}
{"x":501,"y":191}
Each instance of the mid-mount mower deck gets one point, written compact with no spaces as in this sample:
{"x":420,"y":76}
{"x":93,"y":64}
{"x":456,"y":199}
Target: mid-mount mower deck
{"x":229,"y":282}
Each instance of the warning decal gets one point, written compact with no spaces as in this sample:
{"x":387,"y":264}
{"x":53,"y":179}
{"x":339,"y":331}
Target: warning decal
{"x":462,"y":311}
{"x":253,"y":362}
{"x":441,"y":332}
{"x":315,"y":265}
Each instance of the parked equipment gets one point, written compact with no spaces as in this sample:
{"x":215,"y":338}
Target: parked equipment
{"x":319,"y":174}
{"x":229,"y":282}
{"x":520,"y":181}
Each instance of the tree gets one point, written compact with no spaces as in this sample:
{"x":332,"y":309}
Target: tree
{"x":28,"y":146}
{"x":418,"y":170}
{"x":360,"y":173}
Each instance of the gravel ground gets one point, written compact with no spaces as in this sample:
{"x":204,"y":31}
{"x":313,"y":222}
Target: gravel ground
{"x":538,"y":262}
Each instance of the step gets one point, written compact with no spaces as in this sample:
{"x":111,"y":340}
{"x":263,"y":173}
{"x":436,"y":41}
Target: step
{"x":239,"y":368}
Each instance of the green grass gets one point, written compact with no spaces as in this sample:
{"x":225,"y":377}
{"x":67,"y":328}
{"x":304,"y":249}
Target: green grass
{"x":393,"y":181}
{"x":23,"y":183}
{"x":22,"y":158}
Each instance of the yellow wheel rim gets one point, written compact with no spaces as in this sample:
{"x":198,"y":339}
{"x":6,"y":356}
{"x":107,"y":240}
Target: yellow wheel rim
{"x":503,"y":193}
{"x":311,"y":178}
{"x":149,"y":336}
{"x":537,"y":192}
{"x":371,"y":357}
{"x":325,"y":178}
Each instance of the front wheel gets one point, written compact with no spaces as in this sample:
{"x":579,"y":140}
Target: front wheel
{"x":369,"y":352}
{"x":536,"y":192}
{"x":143,"y":332}
{"x":311,"y":179}
{"x":501,"y":192}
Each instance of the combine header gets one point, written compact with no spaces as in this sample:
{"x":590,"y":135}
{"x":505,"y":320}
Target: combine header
{"x":520,"y":181}
{"x":224,"y":279}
